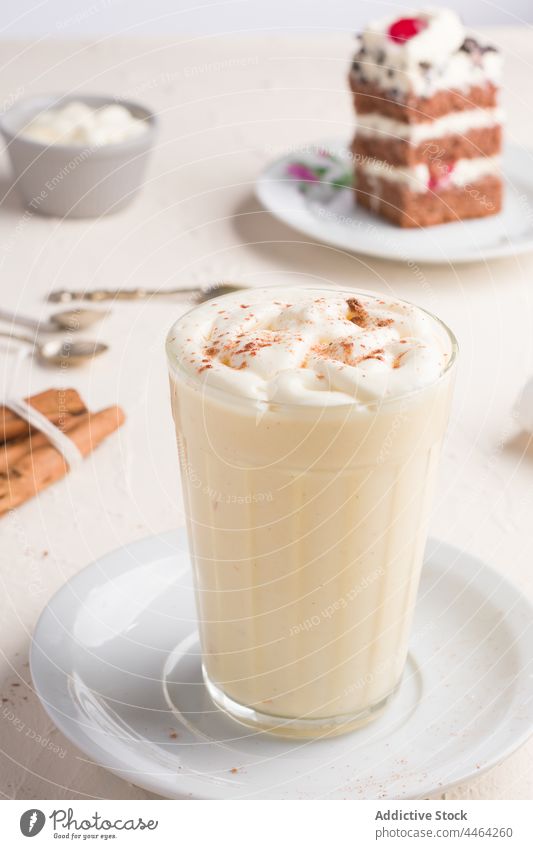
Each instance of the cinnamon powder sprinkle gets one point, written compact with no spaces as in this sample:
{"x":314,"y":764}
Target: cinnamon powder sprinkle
{"x":328,"y":351}
{"x":358,"y":314}
{"x":255,"y":345}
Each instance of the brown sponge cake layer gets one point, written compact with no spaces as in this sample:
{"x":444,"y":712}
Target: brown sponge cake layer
{"x":406,"y":208}
{"x":368,"y":97}
{"x":486,"y":141}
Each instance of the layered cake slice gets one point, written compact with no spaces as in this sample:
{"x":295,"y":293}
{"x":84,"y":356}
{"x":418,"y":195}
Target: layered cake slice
{"x":429,"y":128}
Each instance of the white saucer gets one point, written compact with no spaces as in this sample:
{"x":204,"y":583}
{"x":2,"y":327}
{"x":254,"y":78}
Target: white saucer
{"x":331,"y":215}
{"x":117,"y":645}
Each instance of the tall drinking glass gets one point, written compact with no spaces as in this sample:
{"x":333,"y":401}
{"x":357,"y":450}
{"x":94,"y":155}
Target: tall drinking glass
{"x":307,"y":526}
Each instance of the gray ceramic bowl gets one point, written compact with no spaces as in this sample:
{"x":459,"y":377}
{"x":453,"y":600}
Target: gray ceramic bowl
{"x":73,"y":180}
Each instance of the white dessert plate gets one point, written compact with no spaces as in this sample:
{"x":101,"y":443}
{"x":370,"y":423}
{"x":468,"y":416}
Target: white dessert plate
{"x":309,"y":190}
{"x":115,"y":661}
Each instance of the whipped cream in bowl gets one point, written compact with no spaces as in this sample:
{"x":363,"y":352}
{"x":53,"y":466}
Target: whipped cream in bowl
{"x":78,"y":156}
{"x":77,"y":122}
{"x":311,"y":347}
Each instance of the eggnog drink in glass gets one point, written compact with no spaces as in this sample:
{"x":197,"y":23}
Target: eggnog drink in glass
{"x":309,"y":424}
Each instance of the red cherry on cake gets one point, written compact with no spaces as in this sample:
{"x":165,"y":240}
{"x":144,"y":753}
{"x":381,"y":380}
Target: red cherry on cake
{"x":405,"y":28}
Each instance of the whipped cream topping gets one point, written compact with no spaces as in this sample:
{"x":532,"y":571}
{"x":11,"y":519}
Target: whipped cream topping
{"x":78,"y":123}
{"x":441,"y":35}
{"x":311,"y":347}
{"x":440,"y":56}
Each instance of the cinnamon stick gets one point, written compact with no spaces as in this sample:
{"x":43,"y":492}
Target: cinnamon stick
{"x":38,"y":469}
{"x":14,"y":449}
{"x":55,"y":404}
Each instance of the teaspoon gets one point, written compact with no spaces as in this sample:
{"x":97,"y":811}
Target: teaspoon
{"x":61,"y":352}
{"x":73,"y":320}
{"x":201,"y":293}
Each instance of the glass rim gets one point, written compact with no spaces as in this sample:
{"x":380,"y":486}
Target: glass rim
{"x":248,"y":400}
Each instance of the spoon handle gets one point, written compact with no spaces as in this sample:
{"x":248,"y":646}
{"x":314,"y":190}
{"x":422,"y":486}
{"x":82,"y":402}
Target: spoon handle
{"x":25,"y":321}
{"x":66,"y":295}
{"x":18,"y":337}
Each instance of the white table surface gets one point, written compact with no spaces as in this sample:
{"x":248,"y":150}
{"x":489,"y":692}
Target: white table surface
{"x":227,"y":106}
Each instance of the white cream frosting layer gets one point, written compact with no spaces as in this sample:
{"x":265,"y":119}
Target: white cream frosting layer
{"x":428,"y":62}
{"x":416,"y":178}
{"x":312,"y":347}
{"x":454,"y":123}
